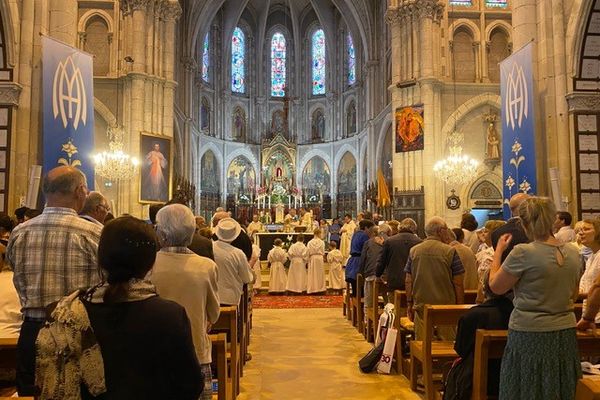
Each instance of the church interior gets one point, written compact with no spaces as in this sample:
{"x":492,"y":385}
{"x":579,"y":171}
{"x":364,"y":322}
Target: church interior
{"x":392,"y":109}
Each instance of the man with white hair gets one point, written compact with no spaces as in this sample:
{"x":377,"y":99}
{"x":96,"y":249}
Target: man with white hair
{"x":186,"y":278}
{"x":434,"y":275}
{"x":95,"y":209}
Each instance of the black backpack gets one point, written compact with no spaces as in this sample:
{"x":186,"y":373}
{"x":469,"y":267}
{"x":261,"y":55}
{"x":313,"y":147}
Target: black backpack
{"x":459,"y":381}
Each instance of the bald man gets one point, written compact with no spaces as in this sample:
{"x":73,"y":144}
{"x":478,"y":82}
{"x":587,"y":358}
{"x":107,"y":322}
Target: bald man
{"x":52,"y":255}
{"x":513,"y":226}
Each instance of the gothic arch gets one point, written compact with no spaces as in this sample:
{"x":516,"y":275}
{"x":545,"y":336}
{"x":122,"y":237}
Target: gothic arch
{"x":309,"y":156}
{"x":491,"y":99}
{"x":104,"y":112}
{"x":381,"y":138}
{"x":467,"y":190}
{"x":346,"y":148}
{"x":575,"y":33}
{"x":313,"y":27}
{"x":346,"y":128}
{"x":466,"y":24}
{"x":498,"y":25}
{"x":88,"y":15}
{"x":245,"y":152}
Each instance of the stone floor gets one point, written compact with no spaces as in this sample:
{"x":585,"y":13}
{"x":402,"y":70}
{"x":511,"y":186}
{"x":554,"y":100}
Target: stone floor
{"x":312,"y":354}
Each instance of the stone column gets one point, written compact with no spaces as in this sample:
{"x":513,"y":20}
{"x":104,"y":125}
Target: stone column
{"x":63,"y":21}
{"x":172,"y":11}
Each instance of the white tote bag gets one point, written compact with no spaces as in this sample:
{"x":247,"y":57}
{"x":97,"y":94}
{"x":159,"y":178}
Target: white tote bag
{"x":385,"y":363}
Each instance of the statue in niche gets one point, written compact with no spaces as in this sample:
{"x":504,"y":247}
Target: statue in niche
{"x":318,"y":126}
{"x":492,"y":140}
{"x":205,"y":116}
{"x":351,"y":119}
{"x":239,"y":125}
{"x":277,"y":122}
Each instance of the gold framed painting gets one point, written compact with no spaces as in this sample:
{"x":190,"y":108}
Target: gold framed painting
{"x":156,"y":168}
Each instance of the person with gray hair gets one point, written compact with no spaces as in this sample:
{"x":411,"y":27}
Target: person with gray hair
{"x":186,"y":278}
{"x":391,"y":263}
{"x":369,"y":257}
{"x":467,"y":257}
{"x":58,"y":243}
{"x":95,"y":209}
{"x":434,"y":275}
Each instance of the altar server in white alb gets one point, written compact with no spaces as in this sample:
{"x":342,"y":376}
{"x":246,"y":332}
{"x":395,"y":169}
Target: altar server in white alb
{"x":255,"y":265}
{"x":316,"y":269}
{"x":277,"y":257}
{"x":297,"y":273}
{"x":336,"y":273}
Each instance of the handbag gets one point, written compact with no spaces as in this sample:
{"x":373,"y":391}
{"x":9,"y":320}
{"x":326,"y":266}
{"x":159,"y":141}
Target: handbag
{"x":369,"y":362}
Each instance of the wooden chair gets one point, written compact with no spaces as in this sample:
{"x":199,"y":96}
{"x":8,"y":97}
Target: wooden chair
{"x":588,"y":388}
{"x":470,"y":296}
{"x":227,"y":323}
{"x":370,"y":315}
{"x":219,"y":358}
{"x":426,"y":350}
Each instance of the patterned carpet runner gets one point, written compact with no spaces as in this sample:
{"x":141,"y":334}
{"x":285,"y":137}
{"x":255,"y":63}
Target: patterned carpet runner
{"x":274,"y":301}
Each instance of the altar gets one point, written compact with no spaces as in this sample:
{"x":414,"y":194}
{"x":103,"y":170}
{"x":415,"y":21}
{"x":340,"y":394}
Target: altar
{"x":265,"y":240}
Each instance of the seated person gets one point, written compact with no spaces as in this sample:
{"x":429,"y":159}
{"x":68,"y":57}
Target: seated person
{"x":125,"y":342}
{"x":493,"y":313}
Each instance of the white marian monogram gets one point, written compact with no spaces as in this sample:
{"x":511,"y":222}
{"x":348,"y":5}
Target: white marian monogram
{"x":68,"y":94}
{"x":516,"y":105}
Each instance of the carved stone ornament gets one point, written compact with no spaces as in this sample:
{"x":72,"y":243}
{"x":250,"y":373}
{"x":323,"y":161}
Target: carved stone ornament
{"x":9,"y":93}
{"x":171,"y":10}
{"x":392,"y":15}
{"x":129,"y":6}
{"x":580,"y":101}
{"x":189,"y":63}
{"x":432,"y":9}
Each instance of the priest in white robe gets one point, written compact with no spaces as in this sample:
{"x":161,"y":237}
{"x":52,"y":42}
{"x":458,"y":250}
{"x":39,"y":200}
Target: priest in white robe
{"x":346,"y":237}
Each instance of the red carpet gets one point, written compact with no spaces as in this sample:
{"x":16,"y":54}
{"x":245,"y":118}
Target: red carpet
{"x":272,"y":301}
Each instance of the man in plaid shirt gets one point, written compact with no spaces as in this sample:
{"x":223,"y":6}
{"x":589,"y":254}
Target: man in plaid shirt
{"x":52,"y":255}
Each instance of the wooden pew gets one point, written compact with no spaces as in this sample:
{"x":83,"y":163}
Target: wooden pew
{"x":470,"y":296}
{"x":489,"y":344}
{"x":424,"y":351}
{"x":219,"y":358}
{"x":245,"y":339}
{"x":405,"y":328}
{"x":588,"y":388}
{"x":347,"y":310}
{"x":8,"y":352}
{"x":359,"y":303}
{"x":227,"y":323}
{"x":370,"y":315}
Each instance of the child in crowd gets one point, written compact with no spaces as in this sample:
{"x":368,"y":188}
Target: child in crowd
{"x":316,"y":270}
{"x":336,"y":273}
{"x":297,"y":274}
{"x":277,"y":257}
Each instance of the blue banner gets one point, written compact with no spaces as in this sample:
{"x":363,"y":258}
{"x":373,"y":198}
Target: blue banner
{"x":68,"y":108}
{"x":518,"y":125}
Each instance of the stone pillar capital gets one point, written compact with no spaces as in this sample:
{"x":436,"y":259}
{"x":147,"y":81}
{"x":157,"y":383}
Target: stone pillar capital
{"x":189,"y":63}
{"x":171,"y":11}
{"x":129,"y":6}
{"x":392,"y":16}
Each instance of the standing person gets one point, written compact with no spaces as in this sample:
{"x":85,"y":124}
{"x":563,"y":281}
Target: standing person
{"x":513,"y":226}
{"x":316,"y":271}
{"x":469,"y":225}
{"x":324,"y":228}
{"x":57,"y":243}
{"x":178,"y":267}
{"x":95,"y":209}
{"x":434,"y":275}
{"x":255,"y":226}
{"x":346,"y":233}
{"x":334,"y":232}
{"x":562,"y":227}
{"x":541,"y":359}
{"x":358,"y":241}
{"x":256,"y":266}
{"x":124,"y":341}
{"x":297,"y":277}
{"x":467,"y":258}
{"x":589,"y":235}
{"x":370,"y":257}
{"x":395,"y":254}
{"x":277,"y":257}
{"x":336,"y":273}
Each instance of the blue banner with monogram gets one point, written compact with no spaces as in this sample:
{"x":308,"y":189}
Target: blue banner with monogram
{"x":68,"y":107}
{"x":518,"y":125}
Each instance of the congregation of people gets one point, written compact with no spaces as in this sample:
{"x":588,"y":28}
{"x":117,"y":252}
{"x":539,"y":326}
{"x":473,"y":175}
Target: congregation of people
{"x":129,"y":305}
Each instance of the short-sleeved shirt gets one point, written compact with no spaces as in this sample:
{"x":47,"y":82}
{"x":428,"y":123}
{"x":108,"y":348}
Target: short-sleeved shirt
{"x":233,"y":272}
{"x":544,"y":290}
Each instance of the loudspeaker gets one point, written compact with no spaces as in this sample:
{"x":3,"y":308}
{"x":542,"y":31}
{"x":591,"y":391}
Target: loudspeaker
{"x":33,"y":189}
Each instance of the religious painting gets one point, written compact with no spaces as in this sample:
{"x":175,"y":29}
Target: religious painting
{"x":409,"y":128}
{"x":209,"y":173}
{"x":205,"y":115}
{"x":277,"y":122}
{"x":351,"y":119}
{"x":347,"y":174}
{"x":278,"y":172}
{"x":238,"y":124}
{"x":156,"y":169}
{"x":241,"y":177}
{"x":316,"y":176}
{"x":318,"y":125}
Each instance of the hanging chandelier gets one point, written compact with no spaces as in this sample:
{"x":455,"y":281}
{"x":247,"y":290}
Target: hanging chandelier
{"x":457,"y":168}
{"x":115,"y":164}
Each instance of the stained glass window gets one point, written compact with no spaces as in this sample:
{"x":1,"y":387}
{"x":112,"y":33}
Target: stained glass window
{"x":496,"y":3}
{"x":278,"y":53}
{"x":238,"y":55}
{"x":318,"y":62}
{"x":466,"y":3}
{"x":351,"y":62}
{"x":205,"y":59}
